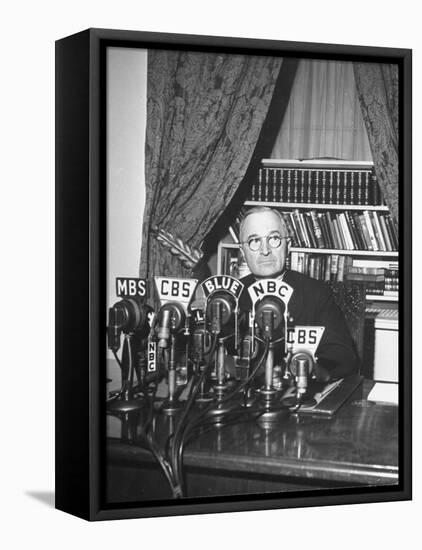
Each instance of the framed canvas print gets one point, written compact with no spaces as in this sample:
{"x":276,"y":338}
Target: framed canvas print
{"x":233,"y":274}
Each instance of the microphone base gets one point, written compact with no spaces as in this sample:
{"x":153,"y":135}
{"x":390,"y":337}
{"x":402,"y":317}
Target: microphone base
{"x":218,"y":412}
{"x":276,"y":414}
{"x":125,"y":406}
{"x":274,"y":410}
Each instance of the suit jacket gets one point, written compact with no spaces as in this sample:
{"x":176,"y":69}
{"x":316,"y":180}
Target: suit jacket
{"x":312,"y":304}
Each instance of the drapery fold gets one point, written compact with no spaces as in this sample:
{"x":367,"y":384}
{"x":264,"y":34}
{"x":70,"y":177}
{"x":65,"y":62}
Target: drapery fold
{"x":378,"y":90}
{"x":204,"y":115}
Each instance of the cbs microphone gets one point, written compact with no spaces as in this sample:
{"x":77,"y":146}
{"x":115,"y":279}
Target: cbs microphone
{"x":301,"y":366}
{"x":171,"y":319}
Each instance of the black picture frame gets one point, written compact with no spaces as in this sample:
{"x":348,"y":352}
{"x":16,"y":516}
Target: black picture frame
{"x":80,"y":273}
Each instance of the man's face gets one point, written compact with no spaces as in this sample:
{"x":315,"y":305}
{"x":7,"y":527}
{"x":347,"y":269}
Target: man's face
{"x":266,"y":261}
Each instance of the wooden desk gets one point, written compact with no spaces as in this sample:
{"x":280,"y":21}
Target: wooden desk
{"x":358,"y":446}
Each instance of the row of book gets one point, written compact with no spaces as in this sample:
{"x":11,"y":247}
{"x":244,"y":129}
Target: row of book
{"x":347,"y":230}
{"x":381,"y":280}
{"x":322,"y":186}
{"x":380,"y":277}
{"x":327,"y":267}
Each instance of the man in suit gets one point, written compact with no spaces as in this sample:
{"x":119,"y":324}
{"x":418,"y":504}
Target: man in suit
{"x":265,"y":247}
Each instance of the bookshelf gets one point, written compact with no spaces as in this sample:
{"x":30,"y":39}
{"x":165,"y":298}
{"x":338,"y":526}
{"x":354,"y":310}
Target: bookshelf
{"x":336,"y":215}
{"x":379,"y":208}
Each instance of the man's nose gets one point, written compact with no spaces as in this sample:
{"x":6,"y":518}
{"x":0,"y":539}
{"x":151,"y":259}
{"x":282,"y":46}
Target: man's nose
{"x":265,"y":247}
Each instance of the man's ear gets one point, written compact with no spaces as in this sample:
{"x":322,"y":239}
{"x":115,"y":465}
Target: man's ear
{"x":289,"y":244}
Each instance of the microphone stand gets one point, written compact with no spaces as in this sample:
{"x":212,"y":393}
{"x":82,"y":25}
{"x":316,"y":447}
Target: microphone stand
{"x":171,"y":405}
{"x":273,"y":409}
{"x":125,"y":401}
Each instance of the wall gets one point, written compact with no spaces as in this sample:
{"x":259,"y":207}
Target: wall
{"x":126,"y":117}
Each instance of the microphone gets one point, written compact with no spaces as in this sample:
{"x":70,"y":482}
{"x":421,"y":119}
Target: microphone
{"x":220,"y":311}
{"x":198,"y":345}
{"x":301,"y":366}
{"x":130,"y":317}
{"x":269,"y":315}
{"x":127,"y":316}
{"x":171,"y":319}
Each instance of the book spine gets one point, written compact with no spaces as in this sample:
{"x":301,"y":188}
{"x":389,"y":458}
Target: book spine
{"x":331,"y":187}
{"x":311,"y":267}
{"x":295,"y":186}
{"x":358,"y":229}
{"x":390,"y":234}
{"x":299,"y":229}
{"x":283,"y":185}
{"x":341,"y":187}
{"x":366,"y":188}
{"x":301,"y":183}
{"x":309,"y":187}
{"x":273,"y":185}
{"x":300,"y":261}
{"x":305,"y":262}
{"x":317,"y":186}
{"x":310,"y":237}
{"x":336,"y":242}
{"x":323,"y":199}
{"x":260,"y":178}
{"x":337,"y":180}
{"x":339,"y":236}
{"x":306,"y":240}
{"x":340,"y":271}
{"x":317,"y":229}
{"x":267,"y":184}
{"x":365,"y":232}
{"x":380,"y":236}
{"x":393,"y":231}
{"x":385,"y":233}
{"x":327,"y":274}
{"x":370,"y":230}
{"x":345,"y":187}
{"x":334,"y":267}
{"x":353,"y":187}
{"x":289,"y":185}
{"x":325,"y":231}
{"x":352,"y":230}
{"x":290,"y":227}
{"x":346,"y":232}
{"x":293,"y":221}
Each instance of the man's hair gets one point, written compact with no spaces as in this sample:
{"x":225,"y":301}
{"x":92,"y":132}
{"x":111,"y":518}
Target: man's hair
{"x":263,"y":210}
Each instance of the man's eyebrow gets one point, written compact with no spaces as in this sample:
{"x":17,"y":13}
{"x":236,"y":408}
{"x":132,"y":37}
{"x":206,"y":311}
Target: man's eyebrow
{"x":273,"y":232}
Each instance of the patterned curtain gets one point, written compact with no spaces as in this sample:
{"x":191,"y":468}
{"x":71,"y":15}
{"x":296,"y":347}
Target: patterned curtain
{"x":204,"y":116}
{"x":378,"y":90}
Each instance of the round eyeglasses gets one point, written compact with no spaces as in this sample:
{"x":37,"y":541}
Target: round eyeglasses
{"x":273,"y":241}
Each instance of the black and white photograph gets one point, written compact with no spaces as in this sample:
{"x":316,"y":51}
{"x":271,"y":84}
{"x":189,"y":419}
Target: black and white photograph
{"x":253,"y":260}
{"x":210,"y":302}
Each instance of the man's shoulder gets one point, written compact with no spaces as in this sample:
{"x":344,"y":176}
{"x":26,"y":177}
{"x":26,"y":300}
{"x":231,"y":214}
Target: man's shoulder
{"x":300,"y":281}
